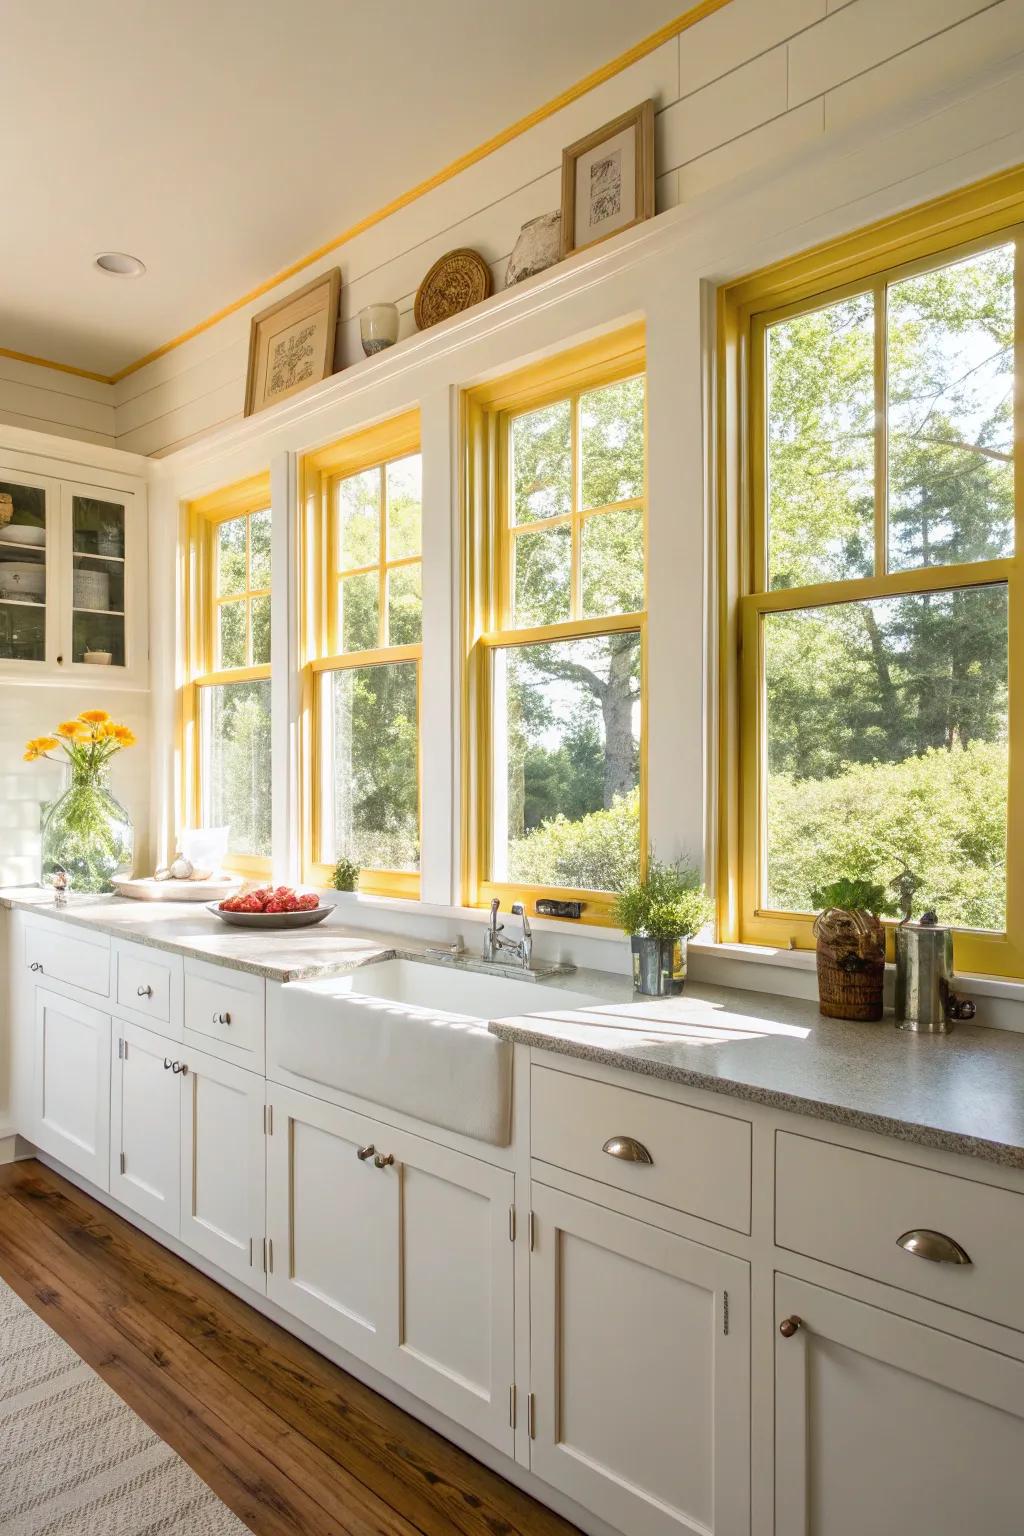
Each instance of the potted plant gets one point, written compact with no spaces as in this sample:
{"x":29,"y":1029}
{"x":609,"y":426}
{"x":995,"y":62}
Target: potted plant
{"x":87,"y":835}
{"x":346,"y":875}
{"x":660,"y":912}
{"x":851,"y":947}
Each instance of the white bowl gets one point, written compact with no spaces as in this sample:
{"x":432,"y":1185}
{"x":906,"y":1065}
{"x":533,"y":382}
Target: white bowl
{"x":18,"y":533}
{"x":98,"y":658}
{"x":22,"y":582}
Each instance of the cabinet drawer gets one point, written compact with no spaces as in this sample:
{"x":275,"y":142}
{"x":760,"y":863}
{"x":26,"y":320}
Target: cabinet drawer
{"x":699,"y":1160}
{"x":58,"y":953}
{"x":148,"y":984}
{"x":225,"y":1008}
{"x":850,"y":1209}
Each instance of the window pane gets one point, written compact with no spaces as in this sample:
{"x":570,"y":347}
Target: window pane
{"x":565,"y":739}
{"x":612,"y":442}
{"x":231,"y":639}
{"x":259,"y":620}
{"x":542,"y":463}
{"x":950,"y":355}
{"x":359,"y":598}
{"x":887,"y":745}
{"x":820,"y":444}
{"x":259,"y":550}
{"x":540,"y":577}
{"x":613,"y":563}
{"x":359,"y":519}
{"x":405,"y":605}
{"x":404,"y":481}
{"x":231,"y":556}
{"x":370,"y":769}
{"x":235,"y":743}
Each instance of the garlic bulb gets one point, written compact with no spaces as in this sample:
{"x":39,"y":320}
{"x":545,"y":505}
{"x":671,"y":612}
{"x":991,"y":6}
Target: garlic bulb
{"x":181,"y":868}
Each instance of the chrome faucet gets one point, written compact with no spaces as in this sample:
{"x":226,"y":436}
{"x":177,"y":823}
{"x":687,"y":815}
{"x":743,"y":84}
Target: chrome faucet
{"x":495,"y":946}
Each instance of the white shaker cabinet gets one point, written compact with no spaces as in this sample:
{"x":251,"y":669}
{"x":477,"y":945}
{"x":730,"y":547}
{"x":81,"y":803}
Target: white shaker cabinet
{"x":70,"y":1109}
{"x":145,"y":1124}
{"x":640,"y":1368}
{"x":224,"y":1165}
{"x":883,"y":1424}
{"x":399,"y":1250}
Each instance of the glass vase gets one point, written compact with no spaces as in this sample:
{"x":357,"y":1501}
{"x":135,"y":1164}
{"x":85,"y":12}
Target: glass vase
{"x":88,"y":834}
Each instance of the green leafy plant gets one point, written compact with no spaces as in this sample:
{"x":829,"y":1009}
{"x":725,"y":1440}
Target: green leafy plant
{"x":670,"y":902}
{"x":346,"y":875}
{"x":848,"y":894}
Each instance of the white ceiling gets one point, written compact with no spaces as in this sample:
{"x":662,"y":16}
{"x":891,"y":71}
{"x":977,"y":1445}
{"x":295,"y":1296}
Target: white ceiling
{"x":221,"y":140}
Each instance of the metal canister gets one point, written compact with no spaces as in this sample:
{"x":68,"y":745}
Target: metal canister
{"x":925,"y":999}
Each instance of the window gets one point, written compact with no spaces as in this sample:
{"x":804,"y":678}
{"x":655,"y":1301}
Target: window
{"x":227,"y":705}
{"x":875,"y":612}
{"x":555,"y":648}
{"x":362,"y":569}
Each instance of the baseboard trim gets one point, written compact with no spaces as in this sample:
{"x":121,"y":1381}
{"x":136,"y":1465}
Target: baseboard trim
{"x":521,"y":1477}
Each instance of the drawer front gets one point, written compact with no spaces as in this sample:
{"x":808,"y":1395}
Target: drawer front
{"x":226,"y":1008}
{"x":850,"y":1209}
{"x":55,"y":952}
{"x":148,"y":984}
{"x":699,"y":1160}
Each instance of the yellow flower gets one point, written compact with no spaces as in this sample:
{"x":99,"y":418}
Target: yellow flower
{"x":30,"y":754}
{"x":122,"y":735}
{"x":45,"y":743}
{"x":73,"y":730}
{"x":94,"y":716}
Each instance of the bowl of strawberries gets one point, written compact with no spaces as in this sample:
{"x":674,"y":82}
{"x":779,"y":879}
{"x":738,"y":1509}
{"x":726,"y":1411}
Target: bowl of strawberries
{"x":271,"y":906}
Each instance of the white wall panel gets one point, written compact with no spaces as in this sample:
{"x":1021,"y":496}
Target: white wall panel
{"x":742,"y":30}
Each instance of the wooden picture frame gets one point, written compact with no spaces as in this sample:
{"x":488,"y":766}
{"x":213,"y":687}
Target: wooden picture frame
{"x":291,"y":344}
{"x":604,"y":193}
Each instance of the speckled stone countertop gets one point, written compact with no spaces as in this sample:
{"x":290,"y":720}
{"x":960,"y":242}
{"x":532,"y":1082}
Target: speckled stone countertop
{"x":962,"y":1092}
{"x":291,"y":954}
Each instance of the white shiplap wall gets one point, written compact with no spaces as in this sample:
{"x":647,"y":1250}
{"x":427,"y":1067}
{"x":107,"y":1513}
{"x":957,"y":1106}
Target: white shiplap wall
{"x":751,"y":86}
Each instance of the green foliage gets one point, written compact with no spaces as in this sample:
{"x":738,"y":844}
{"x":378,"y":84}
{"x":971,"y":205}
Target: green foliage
{"x":376,"y":777}
{"x":599,"y":852}
{"x":346,"y":875}
{"x":668,"y":903}
{"x":236,"y":743}
{"x":854,"y":896}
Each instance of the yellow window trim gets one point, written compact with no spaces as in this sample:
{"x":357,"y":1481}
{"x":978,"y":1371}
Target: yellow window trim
{"x":977,"y":217}
{"x":202,"y":517}
{"x":485,"y":412}
{"x":372,"y":447}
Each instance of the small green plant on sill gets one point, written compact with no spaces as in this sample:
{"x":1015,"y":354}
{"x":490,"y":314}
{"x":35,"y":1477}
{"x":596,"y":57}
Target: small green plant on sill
{"x":346,"y":875}
{"x":853,"y":895}
{"x":670,"y":902}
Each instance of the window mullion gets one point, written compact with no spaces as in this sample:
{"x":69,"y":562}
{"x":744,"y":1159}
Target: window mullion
{"x":382,"y":553}
{"x":881,"y":562}
{"x":576,"y":557}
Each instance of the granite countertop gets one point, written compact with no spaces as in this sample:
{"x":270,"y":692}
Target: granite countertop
{"x":289,"y":954}
{"x":962,"y":1092}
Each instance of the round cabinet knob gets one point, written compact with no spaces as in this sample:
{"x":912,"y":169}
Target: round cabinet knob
{"x":789,"y":1326}
{"x":144,"y":991}
{"x":222,"y":1018}
{"x":364,"y":1152}
{"x":168,"y":1063}
{"x":382,"y":1161}
{"x":35,"y":966}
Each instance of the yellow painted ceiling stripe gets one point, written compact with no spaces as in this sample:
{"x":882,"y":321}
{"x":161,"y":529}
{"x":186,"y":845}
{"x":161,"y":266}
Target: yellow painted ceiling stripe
{"x":590,"y":82}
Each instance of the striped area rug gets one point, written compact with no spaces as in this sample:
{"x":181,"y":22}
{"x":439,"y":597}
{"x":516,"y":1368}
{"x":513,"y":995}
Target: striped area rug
{"x":74,"y":1459}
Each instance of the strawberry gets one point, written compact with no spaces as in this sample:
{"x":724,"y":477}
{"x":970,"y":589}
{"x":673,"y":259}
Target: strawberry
{"x":273,"y":905}
{"x":230,"y":904}
{"x":289,"y":903}
{"x":308,"y":902}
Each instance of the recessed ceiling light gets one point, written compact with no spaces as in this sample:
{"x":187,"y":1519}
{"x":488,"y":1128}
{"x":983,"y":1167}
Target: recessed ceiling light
{"x":118,"y":264}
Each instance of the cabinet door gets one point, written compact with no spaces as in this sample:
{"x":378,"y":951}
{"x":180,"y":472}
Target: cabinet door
{"x":71,"y":1084}
{"x":640,"y":1368}
{"x":330,"y":1220}
{"x":28,"y":581}
{"x":886,"y":1425}
{"x":223,"y":1166}
{"x":451,"y":1332}
{"x":145,"y":1126}
{"x":103,"y":608}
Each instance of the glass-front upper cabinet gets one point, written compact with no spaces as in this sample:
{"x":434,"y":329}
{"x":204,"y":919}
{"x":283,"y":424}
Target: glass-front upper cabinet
{"x":73,"y":580}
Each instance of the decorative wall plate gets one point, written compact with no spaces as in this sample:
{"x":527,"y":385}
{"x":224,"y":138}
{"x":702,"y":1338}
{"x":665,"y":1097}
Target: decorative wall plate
{"x":458,"y":280}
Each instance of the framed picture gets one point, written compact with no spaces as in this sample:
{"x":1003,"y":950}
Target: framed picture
{"x":608,"y":179}
{"x":291,"y":344}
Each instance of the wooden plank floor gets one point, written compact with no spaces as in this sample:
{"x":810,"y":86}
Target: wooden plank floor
{"x":295,"y":1446}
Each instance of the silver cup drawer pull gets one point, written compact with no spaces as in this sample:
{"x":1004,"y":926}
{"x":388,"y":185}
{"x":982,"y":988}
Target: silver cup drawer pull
{"x":144,"y":991}
{"x":923,"y":1243}
{"x":627,"y":1149}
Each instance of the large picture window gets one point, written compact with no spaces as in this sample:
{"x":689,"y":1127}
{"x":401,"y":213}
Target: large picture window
{"x":555,"y":659}
{"x":877,"y":617}
{"x":363,"y":544}
{"x":227,"y":708}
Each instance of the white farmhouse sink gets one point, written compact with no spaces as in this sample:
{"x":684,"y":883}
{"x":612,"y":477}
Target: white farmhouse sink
{"x":411,"y":1037}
